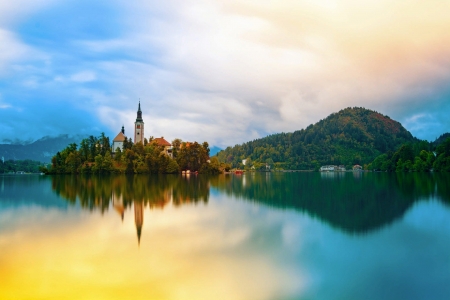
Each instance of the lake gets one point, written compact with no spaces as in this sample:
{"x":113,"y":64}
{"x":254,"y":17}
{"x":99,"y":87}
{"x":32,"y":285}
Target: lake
{"x":300,"y":235}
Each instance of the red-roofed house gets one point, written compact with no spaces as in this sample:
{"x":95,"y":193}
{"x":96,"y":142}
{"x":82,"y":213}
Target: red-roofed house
{"x":167,"y":146}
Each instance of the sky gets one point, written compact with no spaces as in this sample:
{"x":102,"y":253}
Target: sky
{"x":225,"y":72}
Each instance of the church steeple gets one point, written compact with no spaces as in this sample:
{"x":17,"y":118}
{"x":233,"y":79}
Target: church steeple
{"x":139,"y":127}
{"x":139,"y":113}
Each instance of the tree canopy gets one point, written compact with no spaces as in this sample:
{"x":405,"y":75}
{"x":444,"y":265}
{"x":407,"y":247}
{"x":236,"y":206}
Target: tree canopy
{"x":95,"y":156}
{"x":350,"y":136}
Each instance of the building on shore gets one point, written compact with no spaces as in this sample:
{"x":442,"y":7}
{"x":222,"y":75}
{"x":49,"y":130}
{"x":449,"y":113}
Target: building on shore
{"x":139,"y":136}
{"x":118,"y":140}
{"x":139,"y":127}
{"x":332,"y":168}
{"x":167,"y":146}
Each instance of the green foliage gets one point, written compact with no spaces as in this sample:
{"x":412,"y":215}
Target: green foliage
{"x":442,"y":163}
{"x":27,"y":166}
{"x":172,"y":167}
{"x":351,"y":136}
{"x":192,"y":156}
{"x":410,"y":157}
{"x":94,"y":157}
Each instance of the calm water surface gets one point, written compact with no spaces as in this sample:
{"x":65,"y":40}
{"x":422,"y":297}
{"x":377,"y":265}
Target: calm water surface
{"x":255,"y":236}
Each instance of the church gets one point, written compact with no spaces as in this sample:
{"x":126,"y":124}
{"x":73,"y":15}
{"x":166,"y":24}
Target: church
{"x":139,"y":136}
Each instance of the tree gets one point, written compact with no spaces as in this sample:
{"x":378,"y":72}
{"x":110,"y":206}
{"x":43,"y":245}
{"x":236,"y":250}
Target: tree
{"x":172,"y":167}
{"x":73,"y":162}
{"x":97,"y":168}
{"x":176,"y":144}
{"x":128,"y":158}
{"x":103,"y":144}
{"x":118,"y":155}
{"x":442,"y":162}
{"x":107,"y":163}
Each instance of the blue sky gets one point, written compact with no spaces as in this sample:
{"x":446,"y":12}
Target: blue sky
{"x":221,"y":71}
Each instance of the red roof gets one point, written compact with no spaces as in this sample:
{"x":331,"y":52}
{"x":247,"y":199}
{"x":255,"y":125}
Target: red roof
{"x":161,"y":142}
{"x":119,"y":138}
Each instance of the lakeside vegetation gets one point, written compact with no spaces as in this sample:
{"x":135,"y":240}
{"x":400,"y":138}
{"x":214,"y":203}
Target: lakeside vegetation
{"x":14,"y":166}
{"x":417,"y":157}
{"x":352,"y":136}
{"x":348,"y":137}
{"x":94,"y":156}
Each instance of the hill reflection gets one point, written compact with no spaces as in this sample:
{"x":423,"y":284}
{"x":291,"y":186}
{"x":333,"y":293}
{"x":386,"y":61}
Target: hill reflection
{"x":356,"y":202}
{"x":352,"y":202}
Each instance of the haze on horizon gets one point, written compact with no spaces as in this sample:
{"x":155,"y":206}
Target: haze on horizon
{"x":222,"y":71}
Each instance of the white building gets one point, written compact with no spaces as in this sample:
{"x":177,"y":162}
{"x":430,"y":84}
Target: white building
{"x":118,"y":140}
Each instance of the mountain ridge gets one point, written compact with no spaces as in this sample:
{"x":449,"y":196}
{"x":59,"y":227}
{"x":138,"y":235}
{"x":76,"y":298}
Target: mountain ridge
{"x":41,"y":150}
{"x":351,"y":136}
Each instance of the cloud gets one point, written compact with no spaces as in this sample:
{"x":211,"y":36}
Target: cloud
{"x":2,"y":104}
{"x":85,"y":76}
{"x":13,"y":12}
{"x":230,"y":71}
{"x":11,"y":50}
{"x":289,"y":64}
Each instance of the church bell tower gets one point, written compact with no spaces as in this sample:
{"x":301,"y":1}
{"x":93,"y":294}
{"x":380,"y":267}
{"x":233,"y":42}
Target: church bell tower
{"x":139,"y":127}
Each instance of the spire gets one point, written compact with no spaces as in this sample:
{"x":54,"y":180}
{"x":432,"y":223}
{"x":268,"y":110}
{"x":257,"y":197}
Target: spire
{"x":139,"y":113}
{"x":123,"y":129}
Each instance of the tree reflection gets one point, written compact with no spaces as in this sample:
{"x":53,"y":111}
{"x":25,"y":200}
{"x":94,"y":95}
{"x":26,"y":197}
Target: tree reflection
{"x":96,"y":193}
{"x":356,"y":202}
{"x":352,"y":202}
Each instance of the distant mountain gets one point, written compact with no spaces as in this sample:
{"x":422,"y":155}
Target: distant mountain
{"x":41,"y":150}
{"x":441,"y":139}
{"x":350,"y":136}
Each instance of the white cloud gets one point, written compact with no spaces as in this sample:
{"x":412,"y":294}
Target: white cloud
{"x":277,"y":66}
{"x":12,"y":12}
{"x":11,"y":49}
{"x":84,"y":76}
{"x":231,"y":71}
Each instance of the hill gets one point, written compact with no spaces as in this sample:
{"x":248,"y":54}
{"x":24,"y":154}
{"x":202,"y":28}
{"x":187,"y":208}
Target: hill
{"x":350,"y":136}
{"x":441,"y":139}
{"x":41,"y":150}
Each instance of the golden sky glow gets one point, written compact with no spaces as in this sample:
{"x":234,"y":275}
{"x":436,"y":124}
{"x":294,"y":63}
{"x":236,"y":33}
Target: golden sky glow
{"x":90,"y":256}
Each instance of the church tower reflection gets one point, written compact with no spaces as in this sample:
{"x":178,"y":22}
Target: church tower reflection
{"x":121,"y":193}
{"x":138,"y":218}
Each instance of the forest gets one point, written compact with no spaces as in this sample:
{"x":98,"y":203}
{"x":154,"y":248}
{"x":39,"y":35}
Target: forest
{"x":94,"y":156}
{"x":351,"y":136}
{"x":13,"y":166}
{"x":416,"y":157}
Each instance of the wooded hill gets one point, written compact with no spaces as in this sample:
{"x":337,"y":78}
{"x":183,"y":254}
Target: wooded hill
{"x":351,"y":136}
{"x":41,"y":150}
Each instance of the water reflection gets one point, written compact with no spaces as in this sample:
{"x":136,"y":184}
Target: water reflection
{"x":248,"y":242}
{"x":355,"y":202}
{"x":121,"y":192}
